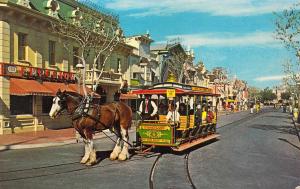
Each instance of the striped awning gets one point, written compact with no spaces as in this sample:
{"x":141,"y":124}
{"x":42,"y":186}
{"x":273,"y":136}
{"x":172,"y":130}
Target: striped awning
{"x":23,"y":87}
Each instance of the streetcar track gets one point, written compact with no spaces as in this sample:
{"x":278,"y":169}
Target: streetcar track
{"x":44,"y":168}
{"x":151,"y":176}
{"x":186,"y":162}
{"x":35,"y":168}
{"x":186,"y":166}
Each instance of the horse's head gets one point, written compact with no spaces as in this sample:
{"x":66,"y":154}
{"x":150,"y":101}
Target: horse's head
{"x":59,"y":104}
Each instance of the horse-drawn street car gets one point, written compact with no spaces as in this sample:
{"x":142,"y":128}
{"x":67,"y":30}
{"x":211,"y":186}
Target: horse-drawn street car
{"x":182,"y":116}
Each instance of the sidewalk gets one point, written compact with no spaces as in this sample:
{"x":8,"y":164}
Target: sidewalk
{"x":41,"y":139}
{"x":49,"y":138}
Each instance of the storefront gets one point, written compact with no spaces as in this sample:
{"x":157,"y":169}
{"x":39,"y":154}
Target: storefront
{"x":26,"y":98}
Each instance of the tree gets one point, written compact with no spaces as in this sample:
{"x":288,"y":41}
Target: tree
{"x":96,"y":35}
{"x":254,"y":93}
{"x":267,"y":95}
{"x":287,"y":31}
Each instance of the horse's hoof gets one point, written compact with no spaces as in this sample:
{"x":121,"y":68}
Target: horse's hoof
{"x":122,"y":157}
{"x":113,"y":156}
{"x":83,"y":161}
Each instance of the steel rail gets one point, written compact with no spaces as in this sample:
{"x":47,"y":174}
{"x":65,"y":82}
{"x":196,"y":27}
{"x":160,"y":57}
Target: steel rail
{"x":151,"y":175}
{"x":186,"y":162}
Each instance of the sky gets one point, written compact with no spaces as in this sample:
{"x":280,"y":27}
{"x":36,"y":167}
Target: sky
{"x":236,"y":34}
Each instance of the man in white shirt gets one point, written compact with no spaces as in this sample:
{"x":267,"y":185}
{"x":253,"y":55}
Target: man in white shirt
{"x":173,"y":116}
{"x":148,"y":109}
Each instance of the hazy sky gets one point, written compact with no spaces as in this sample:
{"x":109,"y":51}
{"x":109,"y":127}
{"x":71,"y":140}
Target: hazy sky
{"x":236,"y":34}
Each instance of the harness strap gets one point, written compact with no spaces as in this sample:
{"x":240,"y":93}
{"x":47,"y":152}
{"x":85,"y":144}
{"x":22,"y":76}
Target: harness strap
{"x":116,"y":141}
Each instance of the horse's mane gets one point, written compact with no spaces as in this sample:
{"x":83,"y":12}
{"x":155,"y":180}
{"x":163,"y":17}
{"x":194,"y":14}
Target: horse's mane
{"x":74,"y":95}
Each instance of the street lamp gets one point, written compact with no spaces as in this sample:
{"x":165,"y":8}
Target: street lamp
{"x":79,"y":67}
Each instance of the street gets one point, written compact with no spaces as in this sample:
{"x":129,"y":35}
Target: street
{"x":254,"y":151}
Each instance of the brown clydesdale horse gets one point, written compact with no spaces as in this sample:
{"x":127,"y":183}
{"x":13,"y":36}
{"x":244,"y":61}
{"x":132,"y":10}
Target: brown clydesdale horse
{"x":116,"y":116}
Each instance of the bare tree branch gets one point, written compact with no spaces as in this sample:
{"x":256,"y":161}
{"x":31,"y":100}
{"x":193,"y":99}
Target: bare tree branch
{"x":95,"y":33}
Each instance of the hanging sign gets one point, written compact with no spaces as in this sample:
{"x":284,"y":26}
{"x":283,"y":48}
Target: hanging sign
{"x":171,"y":93}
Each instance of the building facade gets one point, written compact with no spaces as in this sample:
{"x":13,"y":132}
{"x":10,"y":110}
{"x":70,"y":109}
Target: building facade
{"x":143,"y":70}
{"x":34,"y":64}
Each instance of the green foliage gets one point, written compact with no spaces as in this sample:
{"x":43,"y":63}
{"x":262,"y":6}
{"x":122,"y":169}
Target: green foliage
{"x":267,"y":95}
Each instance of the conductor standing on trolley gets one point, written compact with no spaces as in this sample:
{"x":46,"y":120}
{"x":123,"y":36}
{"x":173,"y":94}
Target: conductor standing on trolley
{"x":148,"y":109}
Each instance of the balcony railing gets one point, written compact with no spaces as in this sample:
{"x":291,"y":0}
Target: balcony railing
{"x":106,"y":77}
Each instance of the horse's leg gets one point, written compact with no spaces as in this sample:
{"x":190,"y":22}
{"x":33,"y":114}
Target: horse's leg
{"x":124,"y":153}
{"x":117,"y":150}
{"x":86,"y":152}
{"x":92,"y":152}
{"x":92,"y":155}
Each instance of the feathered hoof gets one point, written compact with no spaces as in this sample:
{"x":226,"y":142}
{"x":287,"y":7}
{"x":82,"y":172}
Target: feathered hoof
{"x":123,"y":157}
{"x":113,"y":156}
{"x":84,"y":160}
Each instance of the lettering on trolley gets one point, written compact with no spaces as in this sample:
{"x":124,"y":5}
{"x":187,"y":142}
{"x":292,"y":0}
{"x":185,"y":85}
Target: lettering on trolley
{"x":148,"y":140}
{"x":156,"y":128}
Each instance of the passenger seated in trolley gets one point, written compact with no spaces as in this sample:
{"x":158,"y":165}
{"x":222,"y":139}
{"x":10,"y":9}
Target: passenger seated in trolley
{"x":173,"y":116}
{"x":148,"y":109}
{"x":210,"y":120}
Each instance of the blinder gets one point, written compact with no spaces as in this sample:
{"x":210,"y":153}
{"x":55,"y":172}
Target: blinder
{"x":62,"y":103}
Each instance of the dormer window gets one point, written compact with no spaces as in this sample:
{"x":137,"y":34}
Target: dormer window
{"x":24,"y":3}
{"x":76,"y":16}
{"x":53,"y":7}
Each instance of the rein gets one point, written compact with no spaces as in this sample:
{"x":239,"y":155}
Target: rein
{"x":84,"y":114}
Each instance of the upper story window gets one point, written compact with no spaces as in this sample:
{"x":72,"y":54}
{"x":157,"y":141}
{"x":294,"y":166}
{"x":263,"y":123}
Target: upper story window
{"x":51,"y":52}
{"x":25,"y":3}
{"x":22,"y":43}
{"x":118,"y":65}
{"x":100,"y":61}
{"x":53,"y":8}
{"x":75,"y":56}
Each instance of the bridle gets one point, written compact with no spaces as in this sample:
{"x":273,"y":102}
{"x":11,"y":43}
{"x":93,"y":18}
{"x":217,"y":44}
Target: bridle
{"x":62,"y":103}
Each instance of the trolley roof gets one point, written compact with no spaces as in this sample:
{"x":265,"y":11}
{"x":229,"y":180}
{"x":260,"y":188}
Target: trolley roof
{"x":161,"y":88}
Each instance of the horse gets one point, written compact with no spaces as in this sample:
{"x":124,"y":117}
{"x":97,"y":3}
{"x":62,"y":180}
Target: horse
{"x":115,"y":116}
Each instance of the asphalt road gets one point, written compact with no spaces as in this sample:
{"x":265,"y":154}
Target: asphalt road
{"x":260,"y":151}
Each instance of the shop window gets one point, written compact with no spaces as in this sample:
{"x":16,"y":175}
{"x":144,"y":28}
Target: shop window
{"x":75,"y":56}
{"x":21,"y":105}
{"x":22,"y":43}
{"x":46,"y":104}
{"x":51,"y":52}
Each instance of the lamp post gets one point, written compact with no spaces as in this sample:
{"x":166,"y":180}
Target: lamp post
{"x":79,"y":68}
{"x":216,"y":82}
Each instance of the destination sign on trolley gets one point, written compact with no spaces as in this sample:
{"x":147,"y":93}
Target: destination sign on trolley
{"x":171,"y":93}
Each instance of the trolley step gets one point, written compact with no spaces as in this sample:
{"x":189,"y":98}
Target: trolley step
{"x":195,"y":142}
